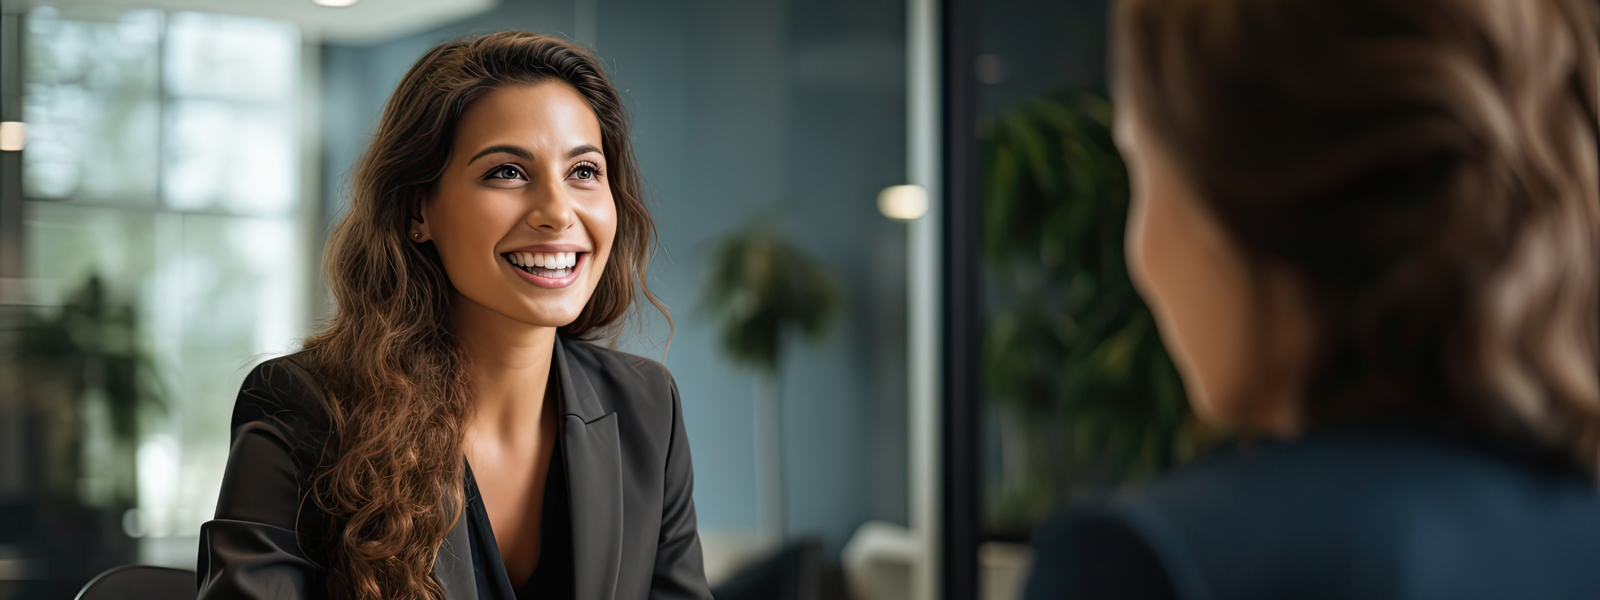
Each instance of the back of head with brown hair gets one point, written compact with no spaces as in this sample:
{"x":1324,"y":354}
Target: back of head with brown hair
{"x":1430,"y":166}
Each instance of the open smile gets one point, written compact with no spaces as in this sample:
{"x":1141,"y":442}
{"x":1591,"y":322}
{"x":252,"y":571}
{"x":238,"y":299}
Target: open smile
{"x":547,"y":269}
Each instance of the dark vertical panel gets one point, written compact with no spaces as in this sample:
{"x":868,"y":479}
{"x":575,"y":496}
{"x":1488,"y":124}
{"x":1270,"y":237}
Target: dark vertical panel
{"x":11,"y":162}
{"x":960,"y":22}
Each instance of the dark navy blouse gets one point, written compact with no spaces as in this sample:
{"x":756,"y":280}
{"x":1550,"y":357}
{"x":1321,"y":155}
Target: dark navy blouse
{"x":1398,"y":510}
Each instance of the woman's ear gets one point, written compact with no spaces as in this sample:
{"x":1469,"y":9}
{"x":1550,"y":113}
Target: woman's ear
{"x":419,"y":231}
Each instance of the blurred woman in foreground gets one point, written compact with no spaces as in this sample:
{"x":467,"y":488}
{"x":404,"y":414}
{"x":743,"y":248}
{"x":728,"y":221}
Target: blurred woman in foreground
{"x":1369,"y":229}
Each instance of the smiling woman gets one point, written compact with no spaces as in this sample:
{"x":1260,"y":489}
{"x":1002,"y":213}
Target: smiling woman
{"x":451,"y":433}
{"x":533,"y":184}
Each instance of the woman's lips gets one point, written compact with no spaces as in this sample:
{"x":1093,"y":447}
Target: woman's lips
{"x":549,"y":282}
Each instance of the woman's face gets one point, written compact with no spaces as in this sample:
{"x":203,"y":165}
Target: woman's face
{"x":1237,"y":331}
{"x":523,"y":220}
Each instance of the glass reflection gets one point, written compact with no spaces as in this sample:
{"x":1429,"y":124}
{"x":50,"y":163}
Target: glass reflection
{"x":162,"y":160}
{"x":92,"y":107}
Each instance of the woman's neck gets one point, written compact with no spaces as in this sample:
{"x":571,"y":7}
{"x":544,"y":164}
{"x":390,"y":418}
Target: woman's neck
{"x":508,"y":365}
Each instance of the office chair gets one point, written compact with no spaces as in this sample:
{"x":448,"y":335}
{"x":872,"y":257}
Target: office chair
{"x":140,"y":582}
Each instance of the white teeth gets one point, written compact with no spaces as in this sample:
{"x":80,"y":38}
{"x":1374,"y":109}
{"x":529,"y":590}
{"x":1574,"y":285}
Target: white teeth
{"x":560,"y":264}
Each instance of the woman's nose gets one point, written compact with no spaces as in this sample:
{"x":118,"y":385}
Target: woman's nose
{"x":551,"y":207}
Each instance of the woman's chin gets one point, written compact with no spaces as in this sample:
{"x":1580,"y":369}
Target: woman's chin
{"x":1219,"y":413}
{"x":548,"y":316}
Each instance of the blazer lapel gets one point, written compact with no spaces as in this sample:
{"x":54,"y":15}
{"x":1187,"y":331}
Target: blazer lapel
{"x":453,"y":566}
{"x":594,"y":473}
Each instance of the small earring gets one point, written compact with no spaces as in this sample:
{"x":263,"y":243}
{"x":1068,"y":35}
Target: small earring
{"x":416,"y":235}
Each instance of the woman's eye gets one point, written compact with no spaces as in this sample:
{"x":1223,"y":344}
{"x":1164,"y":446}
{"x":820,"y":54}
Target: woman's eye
{"x":504,"y":172}
{"x":586,"y":173}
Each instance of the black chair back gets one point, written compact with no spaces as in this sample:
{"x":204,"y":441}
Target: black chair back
{"x":140,"y":582}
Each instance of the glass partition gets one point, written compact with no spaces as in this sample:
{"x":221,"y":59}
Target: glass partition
{"x":166,"y":214}
{"x":162,"y":207}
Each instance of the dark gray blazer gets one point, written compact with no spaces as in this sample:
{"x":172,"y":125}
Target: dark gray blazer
{"x":628,"y":466}
{"x":1399,"y":511}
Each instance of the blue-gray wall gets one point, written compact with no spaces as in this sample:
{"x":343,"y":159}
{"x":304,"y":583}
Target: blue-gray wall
{"x":741,"y":108}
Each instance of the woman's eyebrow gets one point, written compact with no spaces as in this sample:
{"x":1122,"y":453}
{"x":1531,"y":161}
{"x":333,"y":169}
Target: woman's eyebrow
{"x":516,"y":151}
{"x":524,"y":154}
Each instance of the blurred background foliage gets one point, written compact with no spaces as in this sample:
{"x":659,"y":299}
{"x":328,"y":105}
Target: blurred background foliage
{"x":86,"y":352}
{"x":1086,"y":393}
{"x":760,"y":289}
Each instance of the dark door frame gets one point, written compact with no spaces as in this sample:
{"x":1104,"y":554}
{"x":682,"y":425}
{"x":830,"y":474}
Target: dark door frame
{"x":961,"y":483}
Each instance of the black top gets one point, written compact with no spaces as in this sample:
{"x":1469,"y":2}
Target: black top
{"x":621,"y":456}
{"x":552,"y":577}
{"x":1395,"y":511}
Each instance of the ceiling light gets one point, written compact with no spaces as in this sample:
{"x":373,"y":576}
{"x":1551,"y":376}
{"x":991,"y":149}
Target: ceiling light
{"x":12,"y":136}
{"x":334,"y":3}
{"x":903,"y":202}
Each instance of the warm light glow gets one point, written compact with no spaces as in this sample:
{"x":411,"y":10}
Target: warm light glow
{"x":334,"y":3}
{"x":903,"y":202}
{"x":12,"y":135}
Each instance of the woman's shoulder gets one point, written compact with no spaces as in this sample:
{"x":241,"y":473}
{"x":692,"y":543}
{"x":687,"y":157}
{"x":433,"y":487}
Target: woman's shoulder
{"x":640,"y":391}
{"x":1361,"y":466}
{"x":620,"y":368}
{"x":1357,"y":508}
{"x":284,"y":394}
{"x":1089,"y":550}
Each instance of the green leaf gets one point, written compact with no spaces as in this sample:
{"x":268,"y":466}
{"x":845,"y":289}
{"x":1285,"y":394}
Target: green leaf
{"x":1069,"y":347}
{"x":760,"y":289}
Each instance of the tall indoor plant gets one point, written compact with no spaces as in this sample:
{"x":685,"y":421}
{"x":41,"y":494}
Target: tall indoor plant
{"x":75,"y":381}
{"x":761,"y":291}
{"x":1071,"y":357}
{"x":81,"y":359}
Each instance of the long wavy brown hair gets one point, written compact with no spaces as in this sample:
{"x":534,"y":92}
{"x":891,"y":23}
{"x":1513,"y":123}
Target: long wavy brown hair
{"x":390,"y":480}
{"x":1430,"y":166}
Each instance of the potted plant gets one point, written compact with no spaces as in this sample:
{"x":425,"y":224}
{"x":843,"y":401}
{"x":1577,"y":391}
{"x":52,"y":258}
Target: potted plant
{"x":80,"y":382}
{"x":762,"y":291}
{"x":1072,"y":360}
